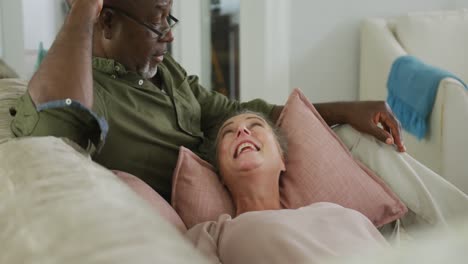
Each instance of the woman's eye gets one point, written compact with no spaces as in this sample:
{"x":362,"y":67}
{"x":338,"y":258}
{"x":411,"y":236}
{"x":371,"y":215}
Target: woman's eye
{"x":256,"y":124}
{"x":228,"y":131}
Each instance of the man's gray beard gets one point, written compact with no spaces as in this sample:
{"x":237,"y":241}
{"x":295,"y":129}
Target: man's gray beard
{"x":148,"y":73}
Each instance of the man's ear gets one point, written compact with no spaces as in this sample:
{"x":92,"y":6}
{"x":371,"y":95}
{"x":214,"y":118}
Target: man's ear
{"x":107,"y":23}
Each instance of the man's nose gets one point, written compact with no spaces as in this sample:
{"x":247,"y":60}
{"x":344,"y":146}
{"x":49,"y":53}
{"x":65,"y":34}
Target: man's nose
{"x":168,"y":38}
{"x":242,"y":130}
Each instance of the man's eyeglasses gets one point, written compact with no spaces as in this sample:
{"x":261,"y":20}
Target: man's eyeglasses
{"x":157,"y":32}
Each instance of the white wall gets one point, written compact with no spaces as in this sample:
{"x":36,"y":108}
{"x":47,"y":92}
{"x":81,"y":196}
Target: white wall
{"x":12,"y":34}
{"x":23,"y":25}
{"x":1,"y":30}
{"x":192,"y":46}
{"x":42,"y":20}
{"x":325,"y":41}
{"x":264,"y":50}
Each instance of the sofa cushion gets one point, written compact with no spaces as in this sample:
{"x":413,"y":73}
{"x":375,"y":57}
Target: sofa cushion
{"x":197,"y":194}
{"x":10,"y":91}
{"x":58,"y":206}
{"x":319,"y":169}
{"x":153,"y":198}
{"x":438,"y":38}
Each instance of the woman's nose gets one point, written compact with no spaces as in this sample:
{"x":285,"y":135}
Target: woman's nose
{"x":243,"y":130}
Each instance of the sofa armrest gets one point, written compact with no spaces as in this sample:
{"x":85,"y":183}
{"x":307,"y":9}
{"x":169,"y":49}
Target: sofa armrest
{"x":379,"y":49}
{"x":454,"y":124}
{"x":445,"y":143}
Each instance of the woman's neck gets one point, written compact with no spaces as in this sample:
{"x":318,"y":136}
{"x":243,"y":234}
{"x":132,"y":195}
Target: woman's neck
{"x":257,"y":199}
{"x":256,"y":204}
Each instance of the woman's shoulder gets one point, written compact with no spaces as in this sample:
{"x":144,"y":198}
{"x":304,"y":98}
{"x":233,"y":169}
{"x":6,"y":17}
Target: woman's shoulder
{"x":205,"y":237}
{"x":209,"y":227}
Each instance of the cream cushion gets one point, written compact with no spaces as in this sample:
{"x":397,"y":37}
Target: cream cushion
{"x":438,"y":38}
{"x":57,"y":206}
{"x":10,"y":91}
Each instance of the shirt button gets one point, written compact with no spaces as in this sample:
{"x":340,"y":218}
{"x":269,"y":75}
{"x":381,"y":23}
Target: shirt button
{"x":68,"y":101}
{"x":140,"y":82}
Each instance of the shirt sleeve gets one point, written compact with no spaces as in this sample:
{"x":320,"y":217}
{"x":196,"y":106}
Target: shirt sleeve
{"x":215,"y":107}
{"x":62,"y":118}
{"x":204,"y":237}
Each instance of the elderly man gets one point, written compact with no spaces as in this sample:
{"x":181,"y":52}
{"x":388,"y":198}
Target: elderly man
{"x":137,"y":99}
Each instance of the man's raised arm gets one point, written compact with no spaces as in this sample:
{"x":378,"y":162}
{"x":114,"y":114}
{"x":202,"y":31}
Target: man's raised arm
{"x":66,"y":71}
{"x":363,"y":116}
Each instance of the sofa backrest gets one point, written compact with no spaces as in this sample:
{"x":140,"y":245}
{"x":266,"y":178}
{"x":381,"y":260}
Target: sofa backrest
{"x":438,"y":38}
{"x":10,"y":91}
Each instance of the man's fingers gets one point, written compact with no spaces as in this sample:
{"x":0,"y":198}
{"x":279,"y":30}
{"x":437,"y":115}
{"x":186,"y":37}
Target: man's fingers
{"x":394,"y":128}
{"x":382,"y":135}
{"x":391,"y":124}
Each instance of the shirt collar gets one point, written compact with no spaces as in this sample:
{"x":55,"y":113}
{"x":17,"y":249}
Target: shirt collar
{"x":108,"y":66}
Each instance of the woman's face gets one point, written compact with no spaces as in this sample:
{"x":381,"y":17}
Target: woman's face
{"x":246,"y":143}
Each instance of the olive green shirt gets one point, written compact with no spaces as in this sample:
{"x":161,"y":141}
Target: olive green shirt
{"x":146,"y":124}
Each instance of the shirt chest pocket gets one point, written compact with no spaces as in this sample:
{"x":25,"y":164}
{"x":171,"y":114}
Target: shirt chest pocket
{"x":188,"y":110}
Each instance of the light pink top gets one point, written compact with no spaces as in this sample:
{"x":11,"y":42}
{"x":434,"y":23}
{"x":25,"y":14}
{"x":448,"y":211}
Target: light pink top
{"x":305,"y":235}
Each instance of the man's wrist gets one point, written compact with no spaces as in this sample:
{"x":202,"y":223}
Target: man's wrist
{"x":335,"y":113}
{"x":85,"y":11}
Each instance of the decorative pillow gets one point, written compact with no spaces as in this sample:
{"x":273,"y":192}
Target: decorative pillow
{"x":10,"y":91}
{"x":6,"y":71}
{"x":319,"y":169}
{"x":197,"y":194}
{"x":153,"y":198}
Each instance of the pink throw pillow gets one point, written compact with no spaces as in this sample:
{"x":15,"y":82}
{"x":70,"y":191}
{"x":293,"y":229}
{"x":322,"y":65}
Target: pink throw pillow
{"x":319,"y":169}
{"x":153,"y":198}
{"x":197,"y":194}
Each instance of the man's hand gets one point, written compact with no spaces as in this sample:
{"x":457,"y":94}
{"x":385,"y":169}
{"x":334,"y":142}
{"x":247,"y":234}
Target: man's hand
{"x":366,"y":116}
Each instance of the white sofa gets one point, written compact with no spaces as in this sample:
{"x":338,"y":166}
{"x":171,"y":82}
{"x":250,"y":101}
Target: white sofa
{"x":57,"y":206}
{"x":439,"y":39}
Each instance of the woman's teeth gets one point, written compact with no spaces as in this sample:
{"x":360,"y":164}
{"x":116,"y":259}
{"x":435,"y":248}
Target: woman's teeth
{"x":245,"y":146}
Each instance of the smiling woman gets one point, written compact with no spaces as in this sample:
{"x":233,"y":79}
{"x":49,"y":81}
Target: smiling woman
{"x":251,"y":159}
{"x":249,"y":155}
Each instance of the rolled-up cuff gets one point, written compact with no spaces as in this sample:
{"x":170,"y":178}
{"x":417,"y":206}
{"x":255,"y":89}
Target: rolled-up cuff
{"x":62,"y":118}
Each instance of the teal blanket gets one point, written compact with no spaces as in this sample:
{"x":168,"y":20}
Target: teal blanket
{"x":412,"y":90}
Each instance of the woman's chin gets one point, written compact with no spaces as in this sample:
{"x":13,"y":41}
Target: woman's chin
{"x":245,"y":164}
